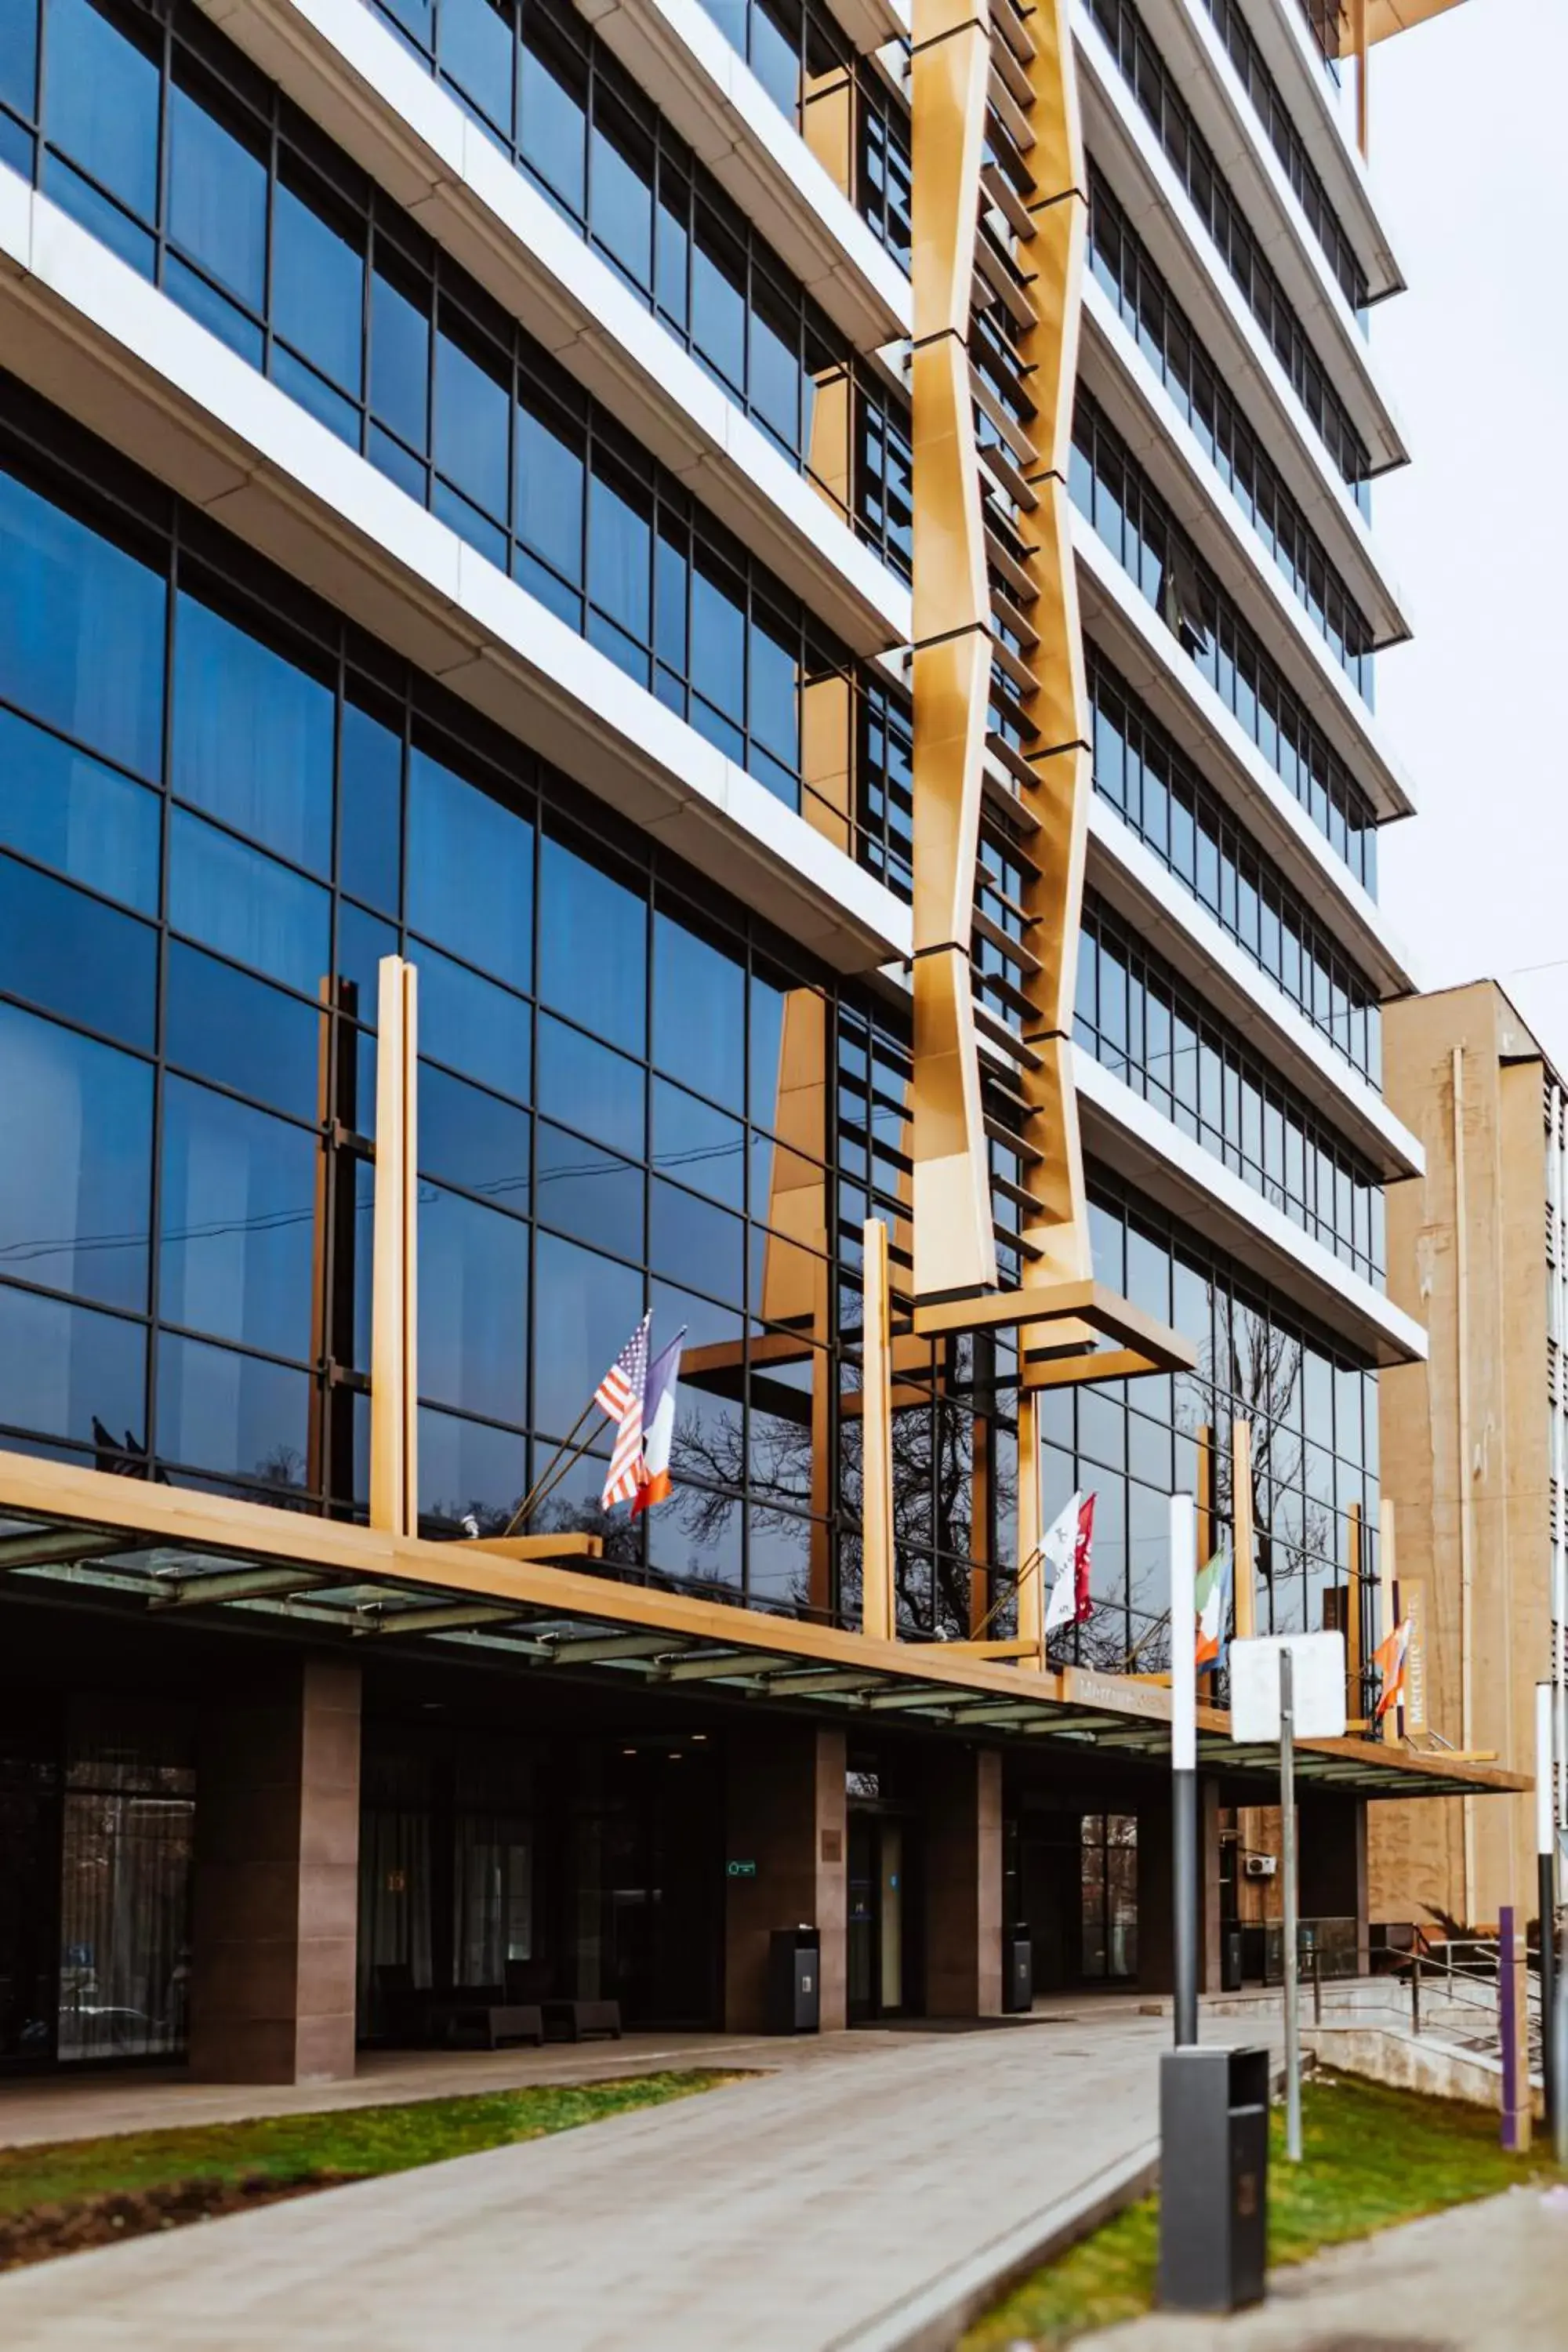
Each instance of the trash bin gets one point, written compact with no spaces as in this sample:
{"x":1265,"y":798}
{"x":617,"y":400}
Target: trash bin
{"x":1230,"y":1978}
{"x":1017,"y":1971}
{"x":795,"y":1981}
{"x":1213,"y":2178}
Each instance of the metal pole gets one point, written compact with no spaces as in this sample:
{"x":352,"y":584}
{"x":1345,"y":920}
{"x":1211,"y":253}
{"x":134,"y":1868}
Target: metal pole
{"x":1287,"y":1860}
{"x":1183,"y":1770}
{"x":1546,"y":1875}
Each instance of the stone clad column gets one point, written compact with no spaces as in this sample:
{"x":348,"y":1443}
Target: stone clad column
{"x":277,"y":1877}
{"x":784,"y":1813}
{"x":962,"y":1880}
{"x":1155,"y":1918}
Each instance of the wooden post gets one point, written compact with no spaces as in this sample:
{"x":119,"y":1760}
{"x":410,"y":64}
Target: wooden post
{"x":395,"y":1265}
{"x":1241,"y":1522}
{"x":1031,"y":1569}
{"x":879,"y":1620}
{"x":1205,"y":1499}
{"x":1387,"y":1602}
{"x":1355,"y":1696}
{"x":1363,"y":110}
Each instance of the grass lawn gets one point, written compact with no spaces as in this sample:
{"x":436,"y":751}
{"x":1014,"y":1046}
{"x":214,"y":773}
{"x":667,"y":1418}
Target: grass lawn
{"x":1371,"y":2157}
{"x":68,"y":2194}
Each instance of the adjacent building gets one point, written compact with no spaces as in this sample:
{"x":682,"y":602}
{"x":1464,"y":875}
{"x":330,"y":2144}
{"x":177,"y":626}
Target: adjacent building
{"x":1473,"y":1438}
{"x":712,"y":661}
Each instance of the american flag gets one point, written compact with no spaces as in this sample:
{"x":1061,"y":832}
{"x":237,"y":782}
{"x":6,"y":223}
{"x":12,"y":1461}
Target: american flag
{"x":620,"y":1395}
{"x":627,"y":1376}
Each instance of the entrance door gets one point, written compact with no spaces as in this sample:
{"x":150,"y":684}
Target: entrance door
{"x":29,"y":1892}
{"x":651,"y":1889}
{"x":880,"y":1960}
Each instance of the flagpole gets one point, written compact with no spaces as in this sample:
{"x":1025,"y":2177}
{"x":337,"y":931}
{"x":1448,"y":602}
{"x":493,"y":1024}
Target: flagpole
{"x":530,"y":1500}
{"x":1183,"y":1770}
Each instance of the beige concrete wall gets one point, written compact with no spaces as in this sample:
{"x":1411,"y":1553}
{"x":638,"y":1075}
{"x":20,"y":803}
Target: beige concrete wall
{"x":1418,"y":1851}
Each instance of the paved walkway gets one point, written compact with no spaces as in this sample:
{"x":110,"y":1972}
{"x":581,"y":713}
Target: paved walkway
{"x":789,"y":2213}
{"x":1491,"y":2277}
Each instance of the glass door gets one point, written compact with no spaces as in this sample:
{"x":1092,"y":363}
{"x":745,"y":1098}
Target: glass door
{"x":881,"y":1958}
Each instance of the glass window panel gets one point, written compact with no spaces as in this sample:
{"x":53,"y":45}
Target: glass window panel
{"x":231,"y":1416}
{"x":75,"y":1163}
{"x":253,"y":736}
{"x":74,"y":955}
{"x":695,"y":1243}
{"x":473,"y":1138}
{"x":596,"y":1091}
{"x":719,"y":299}
{"x":620,"y":188}
{"x":467,"y":1470}
{"x":81,"y":630}
{"x":593,"y":946}
{"x":583,"y":1189}
{"x":98,"y":212}
{"x":318,"y":287}
{"x":473,"y":1306}
{"x":699,"y":1145}
{"x":549,"y":478}
{"x":59,"y":806}
{"x":370,"y":794}
{"x":101,"y":102}
{"x":619,"y":549}
{"x":473,"y":1025}
{"x":719,"y":634}
{"x":70,"y":1373}
{"x":470,"y":871}
{"x":217,"y":199}
{"x":473,"y":416}
{"x":585,"y":1309}
{"x":362,"y":941}
{"x":244,"y":1033}
{"x":400,"y":357}
{"x":695,"y":1538}
{"x":775,"y":704}
{"x":236,"y":1222}
{"x":552,"y":131}
{"x":234,"y":899}
{"x":18,"y":57}
{"x":775,"y":373}
{"x":477,"y":47}
{"x":700,"y":1010}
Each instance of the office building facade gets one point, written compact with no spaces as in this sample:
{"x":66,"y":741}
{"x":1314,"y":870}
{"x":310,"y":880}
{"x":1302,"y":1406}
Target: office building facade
{"x":706,"y":662}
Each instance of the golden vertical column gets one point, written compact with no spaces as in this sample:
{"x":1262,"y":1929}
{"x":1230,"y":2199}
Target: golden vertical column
{"x":394,"y":1338}
{"x":955,"y":1245}
{"x":1243,"y":1535}
{"x":1059,"y":799}
{"x":1387,"y":1597}
{"x":878,"y":1608}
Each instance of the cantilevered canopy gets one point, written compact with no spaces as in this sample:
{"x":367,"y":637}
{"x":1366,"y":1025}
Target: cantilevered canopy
{"x":1386,"y":18}
{"x":544,"y":1605}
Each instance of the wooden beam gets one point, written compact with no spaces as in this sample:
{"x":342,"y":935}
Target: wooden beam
{"x":394,"y":1279}
{"x":1391,"y":1725}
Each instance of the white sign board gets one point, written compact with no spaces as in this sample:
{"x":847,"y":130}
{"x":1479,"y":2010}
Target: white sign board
{"x":1317,"y":1692}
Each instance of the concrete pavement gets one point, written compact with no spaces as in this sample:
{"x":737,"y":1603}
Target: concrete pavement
{"x":796,"y":2212}
{"x":1490,"y":2277}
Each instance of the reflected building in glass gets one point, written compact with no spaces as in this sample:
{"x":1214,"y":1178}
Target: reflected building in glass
{"x":844,"y":668}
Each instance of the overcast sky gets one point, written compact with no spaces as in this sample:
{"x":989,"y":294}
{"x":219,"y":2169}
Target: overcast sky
{"x":1469,"y":159}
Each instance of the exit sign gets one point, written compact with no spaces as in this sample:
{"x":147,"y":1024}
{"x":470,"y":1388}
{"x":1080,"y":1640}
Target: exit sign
{"x":739,"y":1870}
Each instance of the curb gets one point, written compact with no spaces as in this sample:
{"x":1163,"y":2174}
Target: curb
{"x":931,"y":2319}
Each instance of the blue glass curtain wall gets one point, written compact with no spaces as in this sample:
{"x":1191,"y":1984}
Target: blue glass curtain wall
{"x":815,"y":76}
{"x":1314,"y":1410}
{"x":1269,"y":104}
{"x":1148,"y":782}
{"x":1111,"y":489}
{"x":1141,"y":1023}
{"x":219,"y":807}
{"x":1193,"y":161}
{"x":162,"y":138}
{"x":1122,"y":265}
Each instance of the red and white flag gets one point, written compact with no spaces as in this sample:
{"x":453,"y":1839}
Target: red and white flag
{"x":620,"y":1395}
{"x":1068,"y":1547}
